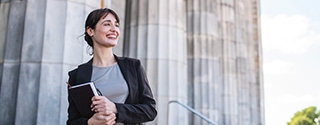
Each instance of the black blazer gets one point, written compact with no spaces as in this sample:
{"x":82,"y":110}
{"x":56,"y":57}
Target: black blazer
{"x":139,"y":106}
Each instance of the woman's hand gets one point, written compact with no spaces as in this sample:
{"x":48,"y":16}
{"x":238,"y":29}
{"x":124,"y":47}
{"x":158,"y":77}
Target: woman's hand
{"x":103,"y":118}
{"x":102,"y":104}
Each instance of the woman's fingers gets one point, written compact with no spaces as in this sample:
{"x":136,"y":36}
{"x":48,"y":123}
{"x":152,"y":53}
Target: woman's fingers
{"x":98,"y":100}
{"x":100,"y":107}
{"x":101,"y":104}
{"x":105,"y":118}
{"x":110,"y":117}
{"x":95,"y":98}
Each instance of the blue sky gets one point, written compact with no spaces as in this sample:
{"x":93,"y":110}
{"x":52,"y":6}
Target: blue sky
{"x":290,"y":32}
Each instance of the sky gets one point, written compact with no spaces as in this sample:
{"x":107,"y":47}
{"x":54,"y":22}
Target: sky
{"x":290,"y":31}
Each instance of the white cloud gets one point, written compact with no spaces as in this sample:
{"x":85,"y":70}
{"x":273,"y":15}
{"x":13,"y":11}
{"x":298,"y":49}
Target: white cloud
{"x":289,"y":98}
{"x":288,"y":34}
{"x":277,"y":67}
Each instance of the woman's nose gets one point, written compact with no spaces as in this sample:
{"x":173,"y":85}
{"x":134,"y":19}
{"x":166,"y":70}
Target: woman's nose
{"x":113,"y":28}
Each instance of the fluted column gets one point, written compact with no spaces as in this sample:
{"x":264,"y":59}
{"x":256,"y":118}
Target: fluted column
{"x":41,"y":45}
{"x":30,"y":65}
{"x":240,"y":34}
{"x":119,"y":6}
{"x":156,"y":34}
{"x":230,"y":83}
{"x":204,"y":57}
{"x":12,"y":23}
{"x":243,"y":35}
{"x":256,"y":81}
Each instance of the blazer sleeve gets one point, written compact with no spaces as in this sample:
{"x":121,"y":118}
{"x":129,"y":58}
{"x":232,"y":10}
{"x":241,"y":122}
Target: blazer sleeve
{"x":142,"y":107}
{"x":74,"y":117}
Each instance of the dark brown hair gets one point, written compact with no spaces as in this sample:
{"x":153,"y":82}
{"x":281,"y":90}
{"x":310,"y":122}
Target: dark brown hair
{"x":93,"y":18}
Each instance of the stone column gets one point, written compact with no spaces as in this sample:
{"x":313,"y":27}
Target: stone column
{"x":242,"y":43}
{"x":12,"y":23}
{"x":42,"y":43}
{"x":242,"y":82}
{"x":230,"y":83}
{"x":119,"y":6}
{"x":248,"y":62}
{"x":156,"y":34}
{"x":257,"y":95}
{"x":30,"y":63}
{"x":204,"y":57}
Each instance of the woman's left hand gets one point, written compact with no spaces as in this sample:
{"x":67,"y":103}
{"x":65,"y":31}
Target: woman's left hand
{"x":102,"y":104}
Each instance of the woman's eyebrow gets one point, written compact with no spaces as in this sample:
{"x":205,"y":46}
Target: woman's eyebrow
{"x":108,"y":21}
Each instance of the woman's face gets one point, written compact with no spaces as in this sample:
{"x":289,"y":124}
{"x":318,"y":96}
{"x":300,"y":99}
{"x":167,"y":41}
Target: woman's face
{"x":107,"y":32}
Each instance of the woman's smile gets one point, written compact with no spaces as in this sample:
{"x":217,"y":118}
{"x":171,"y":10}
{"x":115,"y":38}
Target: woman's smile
{"x":112,"y":36}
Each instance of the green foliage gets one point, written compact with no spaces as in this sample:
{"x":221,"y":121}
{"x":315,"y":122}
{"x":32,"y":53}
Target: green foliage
{"x":305,"y":117}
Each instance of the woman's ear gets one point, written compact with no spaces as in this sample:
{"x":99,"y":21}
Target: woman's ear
{"x":89,"y":31}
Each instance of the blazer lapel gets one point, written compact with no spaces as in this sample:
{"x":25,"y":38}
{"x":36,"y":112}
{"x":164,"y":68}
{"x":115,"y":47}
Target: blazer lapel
{"x":126,"y":70}
{"x":123,"y":67}
{"x":84,"y":72}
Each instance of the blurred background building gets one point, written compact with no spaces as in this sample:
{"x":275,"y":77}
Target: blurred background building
{"x":203,"y":53}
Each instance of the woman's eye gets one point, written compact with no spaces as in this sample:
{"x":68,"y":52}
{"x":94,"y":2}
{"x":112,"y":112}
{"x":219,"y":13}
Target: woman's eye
{"x":110,"y":24}
{"x":106,"y":24}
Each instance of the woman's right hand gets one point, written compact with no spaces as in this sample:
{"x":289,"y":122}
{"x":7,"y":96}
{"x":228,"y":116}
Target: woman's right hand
{"x":102,"y":118}
{"x":102,"y":104}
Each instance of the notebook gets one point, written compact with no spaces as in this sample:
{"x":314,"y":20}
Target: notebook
{"x":81,"y":95}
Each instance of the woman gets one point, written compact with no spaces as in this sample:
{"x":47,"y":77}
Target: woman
{"x":127,"y":98}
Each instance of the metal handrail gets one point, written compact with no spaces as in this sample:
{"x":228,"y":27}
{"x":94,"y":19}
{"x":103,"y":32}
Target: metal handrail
{"x":193,"y":111}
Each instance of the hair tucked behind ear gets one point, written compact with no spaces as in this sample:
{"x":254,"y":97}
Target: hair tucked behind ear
{"x":88,"y":38}
{"x":93,"y":18}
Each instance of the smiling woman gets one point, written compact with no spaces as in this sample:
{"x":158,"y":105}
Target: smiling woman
{"x":127,"y":97}
{"x":109,"y":23}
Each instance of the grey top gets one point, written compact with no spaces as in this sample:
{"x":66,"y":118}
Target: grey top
{"x":110,"y":82}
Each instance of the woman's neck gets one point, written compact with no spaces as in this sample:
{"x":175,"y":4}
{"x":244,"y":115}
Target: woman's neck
{"x":103,"y":58}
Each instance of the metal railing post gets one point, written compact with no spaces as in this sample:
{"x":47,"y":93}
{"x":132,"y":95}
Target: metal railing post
{"x":191,"y":110}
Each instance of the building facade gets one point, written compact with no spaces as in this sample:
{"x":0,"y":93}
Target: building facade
{"x":203,"y":53}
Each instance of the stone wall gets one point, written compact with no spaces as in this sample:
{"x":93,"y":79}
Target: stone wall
{"x":204,"y":53}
